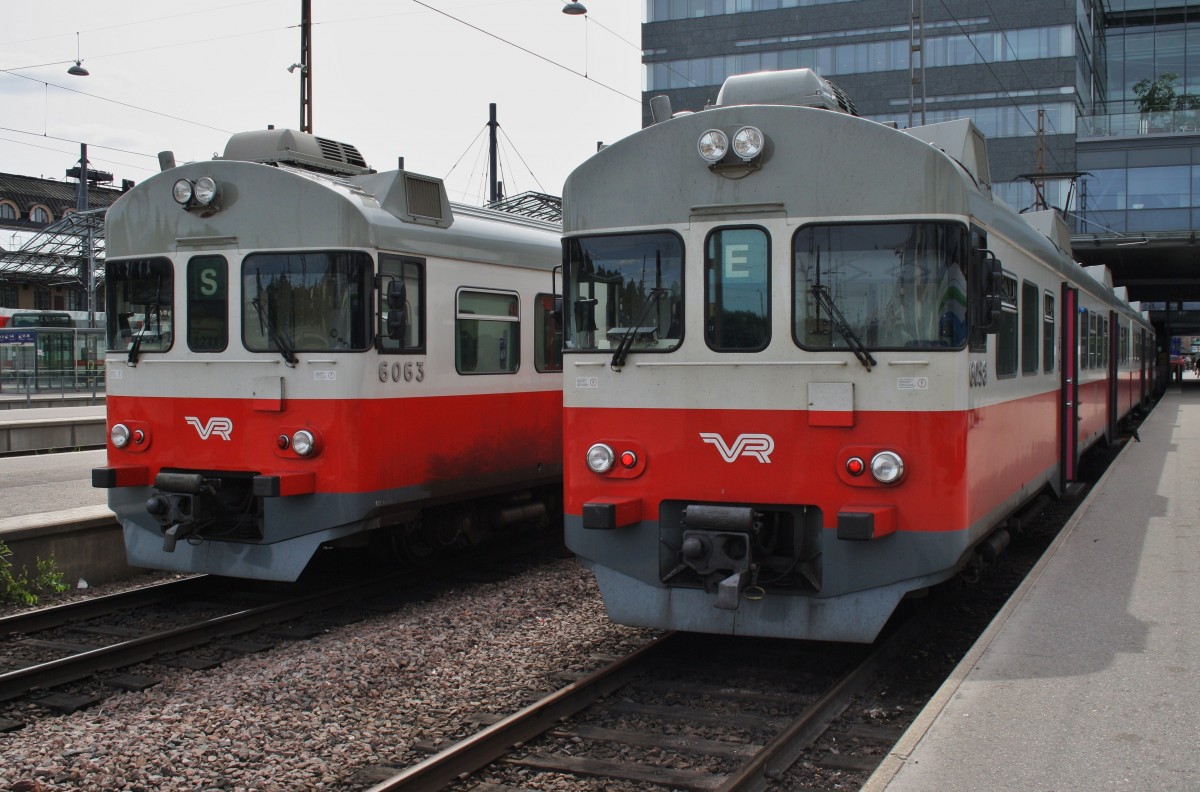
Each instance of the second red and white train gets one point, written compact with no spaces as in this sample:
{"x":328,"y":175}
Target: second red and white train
{"x":816,"y":364}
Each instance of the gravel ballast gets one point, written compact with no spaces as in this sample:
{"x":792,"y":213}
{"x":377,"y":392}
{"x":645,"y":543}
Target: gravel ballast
{"x":311,"y":714}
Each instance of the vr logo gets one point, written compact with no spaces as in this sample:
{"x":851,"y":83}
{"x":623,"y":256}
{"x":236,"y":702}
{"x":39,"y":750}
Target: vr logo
{"x":221,"y":427}
{"x":758,"y":446}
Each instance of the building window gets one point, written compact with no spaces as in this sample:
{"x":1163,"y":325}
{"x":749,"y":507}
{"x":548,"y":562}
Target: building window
{"x":41,"y":298}
{"x":40,"y":214}
{"x":8,"y":210}
{"x":8,"y":295}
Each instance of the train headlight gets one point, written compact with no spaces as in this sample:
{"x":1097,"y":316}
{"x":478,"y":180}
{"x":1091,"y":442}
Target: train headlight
{"x":119,"y":435}
{"x":600,"y":458}
{"x":205,"y":190}
{"x":182,"y":192}
{"x":713,"y":145}
{"x":887,"y":467}
{"x":303,"y":443}
{"x":748,"y":143}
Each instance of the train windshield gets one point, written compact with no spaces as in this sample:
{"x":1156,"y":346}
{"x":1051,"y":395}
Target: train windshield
{"x":623,"y":289}
{"x":139,"y":308}
{"x":890,"y":285}
{"x":306,"y":302}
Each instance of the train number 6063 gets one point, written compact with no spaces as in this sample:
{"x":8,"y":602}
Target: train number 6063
{"x":410,"y":371}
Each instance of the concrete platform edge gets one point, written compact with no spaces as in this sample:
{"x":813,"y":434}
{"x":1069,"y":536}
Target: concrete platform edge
{"x":912,"y":737}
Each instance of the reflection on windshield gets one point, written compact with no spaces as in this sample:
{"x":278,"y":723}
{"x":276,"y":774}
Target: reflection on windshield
{"x":624,"y":289}
{"x":898,"y":285}
{"x":139,"y":305}
{"x":306,"y":302}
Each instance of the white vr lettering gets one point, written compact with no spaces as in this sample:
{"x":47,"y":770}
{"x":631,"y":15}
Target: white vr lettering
{"x":221,"y":427}
{"x":758,"y":446}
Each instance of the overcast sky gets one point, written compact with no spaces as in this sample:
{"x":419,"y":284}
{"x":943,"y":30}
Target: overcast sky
{"x":391,"y":77}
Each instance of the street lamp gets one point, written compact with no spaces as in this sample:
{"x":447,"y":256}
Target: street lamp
{"x":574,"y":9}
{"x":78,"y":69}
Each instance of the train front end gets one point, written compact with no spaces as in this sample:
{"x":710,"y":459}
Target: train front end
{"x":766,"y":382}
{"x":272,"y":385}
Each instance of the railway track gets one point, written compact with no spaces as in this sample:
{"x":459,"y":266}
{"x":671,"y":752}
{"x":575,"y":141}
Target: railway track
{"x":193,"y":623}
{"x":683,"y":712}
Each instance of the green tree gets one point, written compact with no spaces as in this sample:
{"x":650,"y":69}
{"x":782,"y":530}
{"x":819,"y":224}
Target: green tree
{"x":1159,"y":95}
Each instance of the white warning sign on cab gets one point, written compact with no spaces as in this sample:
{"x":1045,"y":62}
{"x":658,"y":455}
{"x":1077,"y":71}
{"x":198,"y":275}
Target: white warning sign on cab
{"x":912,"y":383}
{"x":587,"y":382}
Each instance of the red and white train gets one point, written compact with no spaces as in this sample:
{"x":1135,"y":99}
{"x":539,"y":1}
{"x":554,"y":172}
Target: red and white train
{"x":302,"y":350}
{"x":815,"y":365}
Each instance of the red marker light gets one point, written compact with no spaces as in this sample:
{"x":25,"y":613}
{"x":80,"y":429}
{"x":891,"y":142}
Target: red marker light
{"x":855,"y":466}
{"x":628,"y":459}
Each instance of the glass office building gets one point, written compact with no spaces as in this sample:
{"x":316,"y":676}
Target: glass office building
{"x":1105,"y":89}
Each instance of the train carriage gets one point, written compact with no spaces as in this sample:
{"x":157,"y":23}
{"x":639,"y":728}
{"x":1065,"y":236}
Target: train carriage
{"x":302,"y":350}
{"x":815,"y":364}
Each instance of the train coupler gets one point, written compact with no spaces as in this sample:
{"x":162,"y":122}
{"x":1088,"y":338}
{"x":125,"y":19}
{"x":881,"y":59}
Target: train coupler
{"x":174,"y":534}
{"x":729,"y":591}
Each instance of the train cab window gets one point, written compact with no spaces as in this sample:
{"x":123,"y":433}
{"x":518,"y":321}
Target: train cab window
{"x":487,"y":329}
{"x":1084,"y":338}
{"x":737,"y":290}
{"x":207,"y":304}
{"x":547,"y":335}
{"x":1006,"y":334}
{"x":1048,"y":338}
{"x":1031,"y":322}
{"x":139,"y":304}
{"x":883,"y":285}
{"x":411,"y":272}
{"x":623,"y":289}
{"x":306,"y":302}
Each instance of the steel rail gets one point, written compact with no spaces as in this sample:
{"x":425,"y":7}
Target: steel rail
{"x":489,"y":744}
{"x":58,"y":615}
{"x":20,"y":682}
{"x":785,"y":748}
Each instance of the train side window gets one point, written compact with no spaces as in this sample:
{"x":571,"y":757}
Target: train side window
{"x":411,"y":272}
{"x":207,"y":304}
{"x":1048,"y":340}
{"x":1006,"y":333}
{"x":737,"y":290}
{"x":977,"y":338}
{"x":547,"y":335}
{"x":487,"y":329}
{"x":1103,"y":341}
{"x":1030,"y":323}
{"x":1084,"y":336}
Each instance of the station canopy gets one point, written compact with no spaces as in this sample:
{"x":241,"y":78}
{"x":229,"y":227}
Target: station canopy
{"x":57,"y":255}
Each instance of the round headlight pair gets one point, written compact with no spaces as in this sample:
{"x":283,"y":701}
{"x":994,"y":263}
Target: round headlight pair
{"x":202,"y":192}
{"x":714,"y":144}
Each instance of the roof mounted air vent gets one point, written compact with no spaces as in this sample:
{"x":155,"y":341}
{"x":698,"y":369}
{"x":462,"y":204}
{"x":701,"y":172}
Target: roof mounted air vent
{"x":296,"y":148}
{"x":799,"y":87}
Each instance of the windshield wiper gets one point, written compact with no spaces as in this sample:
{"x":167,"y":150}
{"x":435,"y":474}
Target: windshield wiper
{"x":821,"y":294}
{"x":136,"y":346}
{"x":264,"y":319}
{"x":618,"y":358}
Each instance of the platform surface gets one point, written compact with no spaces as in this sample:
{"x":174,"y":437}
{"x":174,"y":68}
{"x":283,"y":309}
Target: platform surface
{"x":1090,"y":678}
{"x":47,"y":483}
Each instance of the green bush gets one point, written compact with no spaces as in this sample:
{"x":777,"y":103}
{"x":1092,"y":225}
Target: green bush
{"x":15,"y":586}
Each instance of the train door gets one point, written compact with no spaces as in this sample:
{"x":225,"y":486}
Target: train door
{"x":1069,"y":394}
